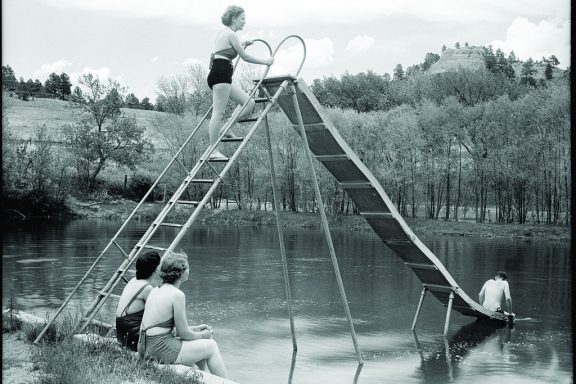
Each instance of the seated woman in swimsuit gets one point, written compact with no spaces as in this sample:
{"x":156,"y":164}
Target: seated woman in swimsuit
{"x":131,"y":304}
{"x":227,"y":46}
{"x":165,"y":310}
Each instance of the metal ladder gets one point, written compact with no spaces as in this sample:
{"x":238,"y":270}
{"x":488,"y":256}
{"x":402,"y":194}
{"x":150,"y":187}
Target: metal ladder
{"x":204,"y":163}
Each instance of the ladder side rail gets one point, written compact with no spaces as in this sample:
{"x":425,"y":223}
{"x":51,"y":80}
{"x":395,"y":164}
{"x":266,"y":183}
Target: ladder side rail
{"x":113,"y":282}
{"x":113,"y":239}
{"x":137,"y":249}
{"x":99,"y":302}
{"x":71,"y":294}
{"x":162,"y":174}
{"x":203,"y":202}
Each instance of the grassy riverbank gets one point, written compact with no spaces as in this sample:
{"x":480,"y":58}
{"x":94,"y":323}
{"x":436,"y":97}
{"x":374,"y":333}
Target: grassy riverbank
{"x":69,"y":361}
{"x":120,"y":209}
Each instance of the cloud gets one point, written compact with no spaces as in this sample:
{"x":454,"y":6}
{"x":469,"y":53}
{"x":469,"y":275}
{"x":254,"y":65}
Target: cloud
{"x":527,"y":39}
{"x":102,"y":73}
{"x":319,"y":53}
{"x":47,"y":68}
{"x":360,"y":44}
{"x":325,"y":11}
{"x":154,"y":59}
{"x":191,"y":61}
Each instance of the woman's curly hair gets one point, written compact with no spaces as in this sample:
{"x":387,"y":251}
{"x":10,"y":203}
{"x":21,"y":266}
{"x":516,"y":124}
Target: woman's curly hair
{"x":230,"y":13}
{"x":172,"y":266}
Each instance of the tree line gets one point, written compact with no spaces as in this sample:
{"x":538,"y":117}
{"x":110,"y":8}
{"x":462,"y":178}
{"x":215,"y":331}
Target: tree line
{"x":462,"y":144}
{"x":55,"y":87}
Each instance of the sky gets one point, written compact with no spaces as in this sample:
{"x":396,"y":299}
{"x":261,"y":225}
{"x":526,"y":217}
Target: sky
{"x":136,"y":42}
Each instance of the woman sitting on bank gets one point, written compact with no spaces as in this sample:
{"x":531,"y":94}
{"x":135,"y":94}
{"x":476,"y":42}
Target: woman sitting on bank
{"x":131,"y":304}
{"x":165,"y":310}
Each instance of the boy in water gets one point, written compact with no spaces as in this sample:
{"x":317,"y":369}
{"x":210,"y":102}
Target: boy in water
{"x":495,"y":293}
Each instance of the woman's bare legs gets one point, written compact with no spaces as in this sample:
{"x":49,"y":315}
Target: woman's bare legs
{"x":202,"y":349}
{"x":238,"y":96}
{"x":220,"y":94}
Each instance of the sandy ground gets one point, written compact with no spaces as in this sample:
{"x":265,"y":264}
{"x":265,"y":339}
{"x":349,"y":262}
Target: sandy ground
{"x":17,"y":365}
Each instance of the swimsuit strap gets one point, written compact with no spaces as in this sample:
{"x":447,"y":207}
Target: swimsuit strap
{"x":134,"y":298}
{"x":165,"y":324}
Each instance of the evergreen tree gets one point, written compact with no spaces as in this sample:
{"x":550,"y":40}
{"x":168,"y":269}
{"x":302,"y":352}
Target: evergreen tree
{"x":398,"y":73}
{"x":38,"y":88}
{"x":490,"y":59}
{"x":64,"y":86}
{"x":145,"y":104}
{"x":52,"y":85}
{"x":528,"y":72}
{"x":429,"y":59}
{"x":8,"y":78}
{"x":548,"y":74}
{"x":132,"y":101}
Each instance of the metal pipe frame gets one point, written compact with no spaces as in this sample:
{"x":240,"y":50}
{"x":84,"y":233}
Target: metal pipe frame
{"x":325,"y":221}
{"x":424,"y":290}
{"x":280,"y":233}
{"x":448,"y":311}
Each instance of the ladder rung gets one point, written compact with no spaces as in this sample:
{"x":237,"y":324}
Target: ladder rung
{"x":172,"y":225}
{"x":121,"y":250}
{"x":155,"y":248}
{"x":99,"y":323}
{"x":248,"y":120}
{"x":231,"y":139}
{"x":188,"y":202}
{"x":377,"y":215}
{"x":261,"y":99}
{"x":422,"y":266}
{"x":204,"y":181}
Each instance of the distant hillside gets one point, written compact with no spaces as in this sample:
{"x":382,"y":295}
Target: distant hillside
{"x":25,"y":116}
{"x":472,"y":58}
{"x":452,"y":59}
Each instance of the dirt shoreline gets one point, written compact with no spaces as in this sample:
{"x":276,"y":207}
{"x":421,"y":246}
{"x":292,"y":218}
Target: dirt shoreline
{"x":120,"y":209}
{"x":17,"y":364}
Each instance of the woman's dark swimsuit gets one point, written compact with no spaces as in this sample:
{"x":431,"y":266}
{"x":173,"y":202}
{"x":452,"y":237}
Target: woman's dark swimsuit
{"x":164,"y":348}
{"x":128,"y":326}
{"x":221,"y":69}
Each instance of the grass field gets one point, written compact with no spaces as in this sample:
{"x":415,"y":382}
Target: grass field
{"x":25,"y":116}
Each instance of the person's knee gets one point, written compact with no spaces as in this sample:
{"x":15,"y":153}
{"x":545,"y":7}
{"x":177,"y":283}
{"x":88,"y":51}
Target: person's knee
{"x":212,"y":345}
{"x":218,"y":115}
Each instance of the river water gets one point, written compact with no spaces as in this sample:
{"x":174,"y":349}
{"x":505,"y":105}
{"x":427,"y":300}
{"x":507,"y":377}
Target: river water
{"x":236,"y":285}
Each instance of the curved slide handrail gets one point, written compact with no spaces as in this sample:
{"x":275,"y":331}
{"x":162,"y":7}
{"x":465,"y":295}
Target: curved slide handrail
{"x":303,"y":45}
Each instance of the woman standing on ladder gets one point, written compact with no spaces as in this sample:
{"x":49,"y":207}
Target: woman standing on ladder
{"x":226,"y":47}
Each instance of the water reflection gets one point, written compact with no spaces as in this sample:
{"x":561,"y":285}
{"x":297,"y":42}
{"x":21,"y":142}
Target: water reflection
{"x":441,"y":365}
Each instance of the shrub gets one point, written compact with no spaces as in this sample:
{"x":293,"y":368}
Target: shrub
{"x":139,"y":185}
